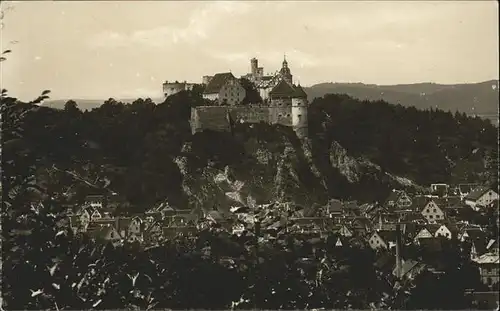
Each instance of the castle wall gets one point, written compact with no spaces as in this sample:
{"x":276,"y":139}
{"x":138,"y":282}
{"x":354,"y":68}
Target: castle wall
{"x":209,"y":118}
{"x":215,"y":118}
{"x":250,"y":114}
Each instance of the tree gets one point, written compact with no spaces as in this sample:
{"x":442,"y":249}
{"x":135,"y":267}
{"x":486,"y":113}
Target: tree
{"x":252,"y":95}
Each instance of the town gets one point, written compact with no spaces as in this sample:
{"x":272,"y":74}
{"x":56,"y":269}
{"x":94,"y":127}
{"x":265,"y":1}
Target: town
{"x":466,"y":214}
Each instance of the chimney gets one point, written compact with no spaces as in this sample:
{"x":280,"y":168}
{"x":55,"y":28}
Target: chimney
{"x":398,"y":251}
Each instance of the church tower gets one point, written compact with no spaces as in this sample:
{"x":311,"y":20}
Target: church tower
{"x":299,"y":112}
{"x":285,"y":71}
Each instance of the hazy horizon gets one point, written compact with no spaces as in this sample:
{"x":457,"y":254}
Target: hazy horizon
{"x":94,"y":50}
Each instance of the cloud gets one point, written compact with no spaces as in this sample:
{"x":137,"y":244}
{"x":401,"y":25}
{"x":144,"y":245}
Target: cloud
{"x":201,"y":22}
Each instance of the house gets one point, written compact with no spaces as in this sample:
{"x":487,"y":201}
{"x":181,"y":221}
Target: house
{"x":76,"y":224}
{"x":135,"y":226}
{"x":409,"y":269}
{"x":84,"y":217}
{"x":492,"y":246}
{"x":440,"y":190}
{"x":368,"y":210}
{"x":480,"y":197}
{"x":94,"y":213}
{"x":489,"y":268}
{"x":153,"y":232}
{"x":398,"y":199}
{"x":431,"y":211}
{"x":470,"y":233}
{"x":361,"y":225}
{"x":382,"y":239}
{"x":225,"y":88}
{"x":477,"y":248}
{"x":122,"y":225}
{"x":95,"y":201}
{"x":448,"y":231}
{"x":350,"y":209}
{"x":171,"y":232}
{"x":414,"y":218}
{"x":427,"y":232}
{"x":345,"y":231}
{"x":106,"y":233}
{"x":483,"y":300}
{"x":465,"y":189}
{"x":334,"y":208}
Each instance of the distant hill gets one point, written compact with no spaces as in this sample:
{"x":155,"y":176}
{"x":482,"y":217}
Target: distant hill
{"x":474,"y":98}
{"x":89,"y":104}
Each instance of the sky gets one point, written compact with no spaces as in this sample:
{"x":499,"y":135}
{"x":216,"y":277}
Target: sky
{"x":127,"y":49}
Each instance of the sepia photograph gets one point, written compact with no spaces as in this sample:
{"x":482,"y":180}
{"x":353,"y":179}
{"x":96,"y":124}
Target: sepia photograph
{"x":249,"y":155}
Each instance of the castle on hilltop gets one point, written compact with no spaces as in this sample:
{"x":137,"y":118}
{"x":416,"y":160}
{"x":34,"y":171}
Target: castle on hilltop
{"x":283,"y":102}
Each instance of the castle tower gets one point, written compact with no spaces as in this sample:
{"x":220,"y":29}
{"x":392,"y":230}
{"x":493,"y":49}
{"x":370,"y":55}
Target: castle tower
{"x":299,"y":112}
{"x":285,"y":71}
{"x":254,"y":66}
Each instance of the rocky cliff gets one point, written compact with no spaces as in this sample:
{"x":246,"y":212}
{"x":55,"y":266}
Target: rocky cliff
{"x":261,"y":163}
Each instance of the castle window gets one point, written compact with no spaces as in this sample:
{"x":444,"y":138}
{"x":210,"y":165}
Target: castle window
{"x":300,"y":116}
{"x":288,"y":115}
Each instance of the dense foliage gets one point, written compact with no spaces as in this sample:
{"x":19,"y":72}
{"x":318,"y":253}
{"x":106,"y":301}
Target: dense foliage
{"x":427,"y":146}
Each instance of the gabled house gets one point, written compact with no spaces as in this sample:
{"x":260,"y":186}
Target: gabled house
{"x":122,"y":225}
{"x":345,"y":231}
{"x":361,"y":225}
{"x":492,"y":246}
{"x":94,"y":213}
{"x":76,"y":224}
{"x":153,"y":232}
{"x":350,"y":209}
{"x":489,"y":268}
{"x":152,"y":217}
{"x":440,"y":190}
{"x":465,"y":189}
{"x":368,"y":210}
{"x":471,"y":233}
{"x":382,"y":239}
{"x":432,"y":212}
{"x":410,"y":269}
{"x":136,"y":226}
{"x":480,"y":197}
{"x":95,"y":201}
{"x":84,"y":217}
{"x":107,"y":233}
{"x":398,"y":199}
{"x":106,"y":213}
{"x":427,"y":232}
{"x":448,"y":231}
{"x":477,"y":248}
{"x":334,"y":208}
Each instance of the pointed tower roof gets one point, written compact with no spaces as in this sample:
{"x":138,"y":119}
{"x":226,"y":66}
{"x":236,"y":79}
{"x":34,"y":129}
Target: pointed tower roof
{"x":299,"y":92}
{"x":282,"y":89}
